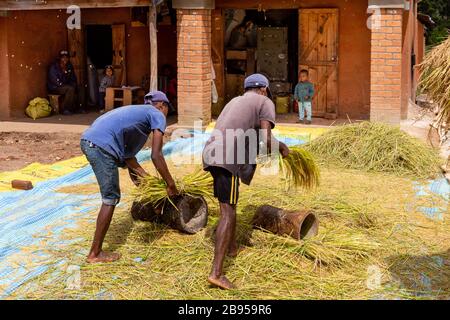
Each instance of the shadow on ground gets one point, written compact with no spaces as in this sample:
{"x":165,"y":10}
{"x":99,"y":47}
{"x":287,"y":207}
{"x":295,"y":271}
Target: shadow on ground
{"x":422,"y":276}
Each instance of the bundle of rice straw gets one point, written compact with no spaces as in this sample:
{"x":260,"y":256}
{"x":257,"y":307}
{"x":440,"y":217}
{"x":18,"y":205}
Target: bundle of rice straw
{"x":298,"y":169}
{"x":152,"y":190}
{"x":435,"y":81}
{"x":376,"y":147}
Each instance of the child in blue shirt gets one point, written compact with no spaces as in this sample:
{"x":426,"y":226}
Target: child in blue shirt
{"x":106,"y":82}
{"x":304,"y":93}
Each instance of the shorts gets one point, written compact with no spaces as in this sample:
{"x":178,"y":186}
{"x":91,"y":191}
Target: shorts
{"x":106,"y":170}
{"x":226,"y":185}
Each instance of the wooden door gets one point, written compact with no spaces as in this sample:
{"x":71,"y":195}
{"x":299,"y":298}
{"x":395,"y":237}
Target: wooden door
{"x":119,"y":54}
{"x":218,"y":50}
{"x":318,"y":53}
{"x":77,"y":55}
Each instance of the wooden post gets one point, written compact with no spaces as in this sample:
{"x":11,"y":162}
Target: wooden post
{"x":153,"y":48}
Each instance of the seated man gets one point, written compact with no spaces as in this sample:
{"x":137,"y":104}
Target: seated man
{"x":113,"y":141}
{"x":63,"y":81}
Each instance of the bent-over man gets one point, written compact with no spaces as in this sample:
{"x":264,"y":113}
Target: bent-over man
{"x":113,"y":141}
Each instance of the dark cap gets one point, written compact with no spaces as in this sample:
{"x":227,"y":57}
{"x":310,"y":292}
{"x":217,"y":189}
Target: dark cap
{"x":257,"y":80}
{"x":155,"y":96}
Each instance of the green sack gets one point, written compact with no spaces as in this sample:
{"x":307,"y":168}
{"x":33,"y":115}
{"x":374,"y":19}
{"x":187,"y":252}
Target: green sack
{"x":38,"y":108}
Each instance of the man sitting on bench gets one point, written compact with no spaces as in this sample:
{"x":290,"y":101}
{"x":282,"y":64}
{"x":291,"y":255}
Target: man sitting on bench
{"x":63,"y":81}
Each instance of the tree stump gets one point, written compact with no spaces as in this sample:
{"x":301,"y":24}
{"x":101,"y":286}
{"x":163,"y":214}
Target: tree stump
{"x":189,"y":216}
{"x":297,"y":224}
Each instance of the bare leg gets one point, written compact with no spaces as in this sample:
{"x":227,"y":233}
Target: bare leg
{"x":233,"y":248}
{"x":103,"y":221}
{"x":223,"y":239}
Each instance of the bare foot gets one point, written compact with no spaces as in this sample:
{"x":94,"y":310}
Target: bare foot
{"x":221,"y":282}
{"x":103,"y":257}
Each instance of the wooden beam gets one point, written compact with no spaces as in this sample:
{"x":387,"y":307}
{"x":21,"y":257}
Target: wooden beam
{"x":153,"y":48}
{"x":259,"y":5}
{"x":64,"y":4}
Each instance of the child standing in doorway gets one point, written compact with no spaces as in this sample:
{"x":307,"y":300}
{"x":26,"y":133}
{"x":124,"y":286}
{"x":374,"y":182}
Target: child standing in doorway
{"x":304,"y":93}
{"x":106,"y":82}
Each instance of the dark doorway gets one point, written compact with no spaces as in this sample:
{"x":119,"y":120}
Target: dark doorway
{"x":99,"y":46}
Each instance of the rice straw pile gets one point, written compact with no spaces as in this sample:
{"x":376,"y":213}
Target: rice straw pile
{"x":435,"y":81}
{"x":152,"y":189}
{"x":377,"y":147}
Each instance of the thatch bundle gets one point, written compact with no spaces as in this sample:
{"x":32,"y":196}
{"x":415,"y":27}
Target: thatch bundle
{"x":435,"y":81}
{"x":298,"y":169}
{"x":376,"y":147}
{"x":152,"y":190}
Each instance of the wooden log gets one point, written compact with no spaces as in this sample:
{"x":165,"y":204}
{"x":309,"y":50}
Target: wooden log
{"x":297,"y":224}
{"x":189,"y":216}
{"x":22,"y":185}
{"x":144,"y":212}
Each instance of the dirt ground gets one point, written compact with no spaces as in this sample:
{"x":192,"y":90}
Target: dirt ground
{"x":19,"y":149}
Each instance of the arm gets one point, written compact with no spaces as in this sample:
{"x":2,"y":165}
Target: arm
{"x":160,"y":162}
{"x":104,"y":83}
{"x":296,"y":93}
{"x":311,"y":90}
{"x":135,"y":170}
{"x":266,"y":126}
{"x":72,"y":77}
{"x":53,"y":79}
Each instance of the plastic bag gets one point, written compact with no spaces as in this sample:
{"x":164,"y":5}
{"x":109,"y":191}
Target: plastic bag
{"x":38,"y":108}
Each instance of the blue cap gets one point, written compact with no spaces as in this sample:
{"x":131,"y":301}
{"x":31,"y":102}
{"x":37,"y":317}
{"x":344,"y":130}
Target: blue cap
{"x":155,"y":96}
{"x":257,"y":80}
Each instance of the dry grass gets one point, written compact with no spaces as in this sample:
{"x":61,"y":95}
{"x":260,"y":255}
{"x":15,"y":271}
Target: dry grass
{"x":366,"y":220}
{"x":435,"y":81}
{"x":376,"y":147}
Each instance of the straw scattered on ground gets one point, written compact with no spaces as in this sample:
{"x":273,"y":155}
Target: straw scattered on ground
{"x":376,"y":147}
{"x":373,"y":243}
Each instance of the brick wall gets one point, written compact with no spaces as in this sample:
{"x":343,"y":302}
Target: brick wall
{"x":386,"y":68}
{"x":4,"y":71}
{"x":194,"y":66}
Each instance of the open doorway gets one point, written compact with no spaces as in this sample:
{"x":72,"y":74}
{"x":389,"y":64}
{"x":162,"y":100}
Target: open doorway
{"x":261,"y":41}
{"x":99,"y":46}
{"x":99,"y":54}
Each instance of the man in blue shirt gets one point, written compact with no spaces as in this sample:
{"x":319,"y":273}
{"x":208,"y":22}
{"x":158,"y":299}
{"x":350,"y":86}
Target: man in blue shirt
{"x":113,"y":141}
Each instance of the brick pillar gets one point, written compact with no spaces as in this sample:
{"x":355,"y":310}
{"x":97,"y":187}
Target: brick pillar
{"x":386,"y":68}
{"x":194,"y":66}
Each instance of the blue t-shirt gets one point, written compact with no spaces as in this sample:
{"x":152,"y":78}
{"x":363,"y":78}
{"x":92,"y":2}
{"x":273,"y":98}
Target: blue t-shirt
{"x":124,"y":131}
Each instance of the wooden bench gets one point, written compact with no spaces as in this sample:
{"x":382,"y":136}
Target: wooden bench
{"x":54,"y":100}
{"x":125,"y":95}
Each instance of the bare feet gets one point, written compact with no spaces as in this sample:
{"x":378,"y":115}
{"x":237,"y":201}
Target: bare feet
{"x":103,"y":257}
{"x":221,"y":282}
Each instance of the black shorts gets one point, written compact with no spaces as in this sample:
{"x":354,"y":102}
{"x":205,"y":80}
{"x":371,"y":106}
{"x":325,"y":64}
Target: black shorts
{"x":226,"y":185}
